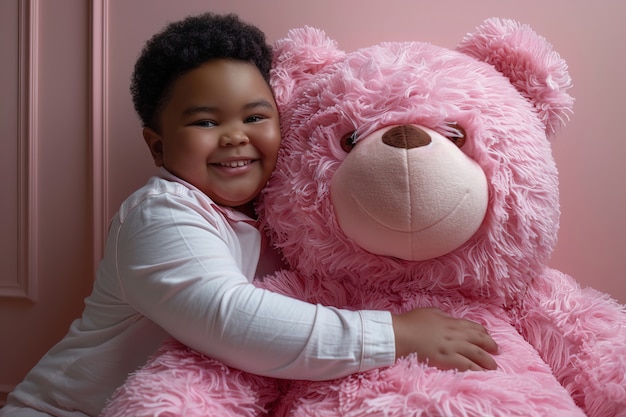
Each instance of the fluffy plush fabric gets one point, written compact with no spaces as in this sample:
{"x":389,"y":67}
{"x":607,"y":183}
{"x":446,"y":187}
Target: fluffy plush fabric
{"x":413,"y":175}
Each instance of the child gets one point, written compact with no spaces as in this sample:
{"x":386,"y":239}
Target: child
{"x":182,"y":251}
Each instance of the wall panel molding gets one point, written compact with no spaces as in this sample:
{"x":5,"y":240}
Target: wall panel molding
{"x":24,"y":284}
{"x":99,"y":124}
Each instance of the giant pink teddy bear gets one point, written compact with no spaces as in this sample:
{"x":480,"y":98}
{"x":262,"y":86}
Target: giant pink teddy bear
{"x":412,"y":175}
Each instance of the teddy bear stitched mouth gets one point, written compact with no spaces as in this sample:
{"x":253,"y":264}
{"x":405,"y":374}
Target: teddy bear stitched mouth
{"x":436,"y":222}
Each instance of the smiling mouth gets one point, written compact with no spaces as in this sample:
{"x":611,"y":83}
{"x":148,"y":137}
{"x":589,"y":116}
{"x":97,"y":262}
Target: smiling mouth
{"x":234,"y":164}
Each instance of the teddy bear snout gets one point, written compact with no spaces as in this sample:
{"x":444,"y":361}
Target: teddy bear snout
{"x":406,"y":137}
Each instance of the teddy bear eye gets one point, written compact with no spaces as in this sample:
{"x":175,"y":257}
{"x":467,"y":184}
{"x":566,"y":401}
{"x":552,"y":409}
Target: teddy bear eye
{"x":348,"y":141}
{"x":456,"y":134}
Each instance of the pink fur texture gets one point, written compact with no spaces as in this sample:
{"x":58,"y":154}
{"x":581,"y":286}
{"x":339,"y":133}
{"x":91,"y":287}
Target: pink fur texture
{"x":562,"y":348}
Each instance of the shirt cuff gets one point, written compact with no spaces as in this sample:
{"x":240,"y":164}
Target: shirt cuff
{"x":379,"y":346}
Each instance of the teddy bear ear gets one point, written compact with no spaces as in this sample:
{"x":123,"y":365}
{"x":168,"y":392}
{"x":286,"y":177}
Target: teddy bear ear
{"x":298,"y":57}
{"x":531,"y":64}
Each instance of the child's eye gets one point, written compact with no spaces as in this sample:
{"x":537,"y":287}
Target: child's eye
{"x":253,"y":119}
{"x":204,"y":123}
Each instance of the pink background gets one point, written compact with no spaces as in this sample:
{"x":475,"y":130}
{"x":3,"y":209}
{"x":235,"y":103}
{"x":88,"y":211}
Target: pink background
{"x":72,"y":149}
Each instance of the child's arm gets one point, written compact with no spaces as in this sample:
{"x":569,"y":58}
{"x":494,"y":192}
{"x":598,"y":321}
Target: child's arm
{"x":177,"y":269}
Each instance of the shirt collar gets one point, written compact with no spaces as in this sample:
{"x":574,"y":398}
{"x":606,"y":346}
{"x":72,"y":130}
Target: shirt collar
{"x":226,"y":211}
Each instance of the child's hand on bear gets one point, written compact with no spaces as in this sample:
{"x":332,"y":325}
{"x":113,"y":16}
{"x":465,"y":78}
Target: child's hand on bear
{"x":443,"y":341}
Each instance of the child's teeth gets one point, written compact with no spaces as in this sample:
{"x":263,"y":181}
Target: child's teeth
{"x":235,"y":164}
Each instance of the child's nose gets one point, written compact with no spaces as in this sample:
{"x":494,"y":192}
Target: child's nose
{"x":234,"y":138}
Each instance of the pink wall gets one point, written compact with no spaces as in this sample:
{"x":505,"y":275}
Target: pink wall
{"x":45,"y":257}
{"x":589,"y":151}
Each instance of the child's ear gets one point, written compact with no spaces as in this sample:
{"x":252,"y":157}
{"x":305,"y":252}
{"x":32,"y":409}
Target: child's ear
{"x":155,"y":143}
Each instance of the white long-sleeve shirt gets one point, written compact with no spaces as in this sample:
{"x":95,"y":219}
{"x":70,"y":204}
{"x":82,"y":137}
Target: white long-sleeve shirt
{"x":176,"y":263}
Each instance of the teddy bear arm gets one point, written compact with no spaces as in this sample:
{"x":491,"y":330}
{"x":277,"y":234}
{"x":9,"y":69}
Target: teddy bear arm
{"x":581,"y":334}
{"x":178,"y":381}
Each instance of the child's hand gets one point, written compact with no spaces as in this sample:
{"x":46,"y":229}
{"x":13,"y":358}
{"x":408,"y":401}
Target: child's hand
{"x":443,"y":341}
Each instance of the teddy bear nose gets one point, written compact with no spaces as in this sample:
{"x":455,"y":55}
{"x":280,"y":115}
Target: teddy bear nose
{"x":406,"y":137}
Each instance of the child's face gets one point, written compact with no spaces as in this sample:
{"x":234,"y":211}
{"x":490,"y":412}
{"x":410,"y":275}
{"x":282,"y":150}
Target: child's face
{"x":219,"y":131}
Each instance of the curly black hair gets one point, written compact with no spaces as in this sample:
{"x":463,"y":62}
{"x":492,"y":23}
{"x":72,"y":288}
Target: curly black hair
{"x":185,"y":45}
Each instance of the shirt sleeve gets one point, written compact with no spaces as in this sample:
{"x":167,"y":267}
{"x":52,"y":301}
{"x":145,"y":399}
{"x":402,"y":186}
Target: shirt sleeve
{"x":176,"y":268}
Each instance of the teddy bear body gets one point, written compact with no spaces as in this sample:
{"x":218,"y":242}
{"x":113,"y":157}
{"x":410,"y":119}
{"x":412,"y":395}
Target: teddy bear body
{"x":417,"y":176}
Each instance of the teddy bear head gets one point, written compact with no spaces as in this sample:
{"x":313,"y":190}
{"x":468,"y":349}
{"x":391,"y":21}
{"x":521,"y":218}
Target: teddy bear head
{"x":407,"y":167}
